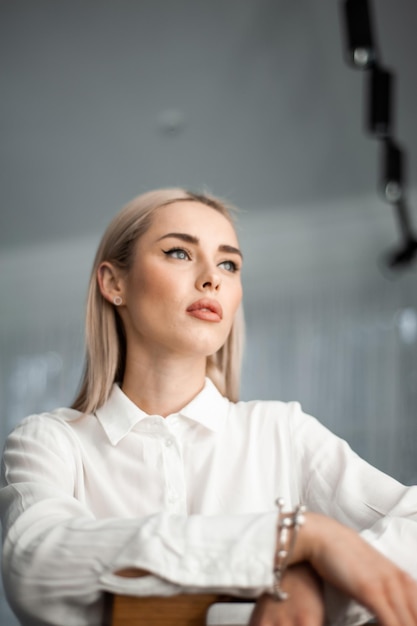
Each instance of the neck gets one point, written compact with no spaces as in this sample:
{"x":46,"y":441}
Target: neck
{"x":163,"y":387}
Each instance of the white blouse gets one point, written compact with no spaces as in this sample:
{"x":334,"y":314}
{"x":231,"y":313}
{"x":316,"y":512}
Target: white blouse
{"x":189,"y":498}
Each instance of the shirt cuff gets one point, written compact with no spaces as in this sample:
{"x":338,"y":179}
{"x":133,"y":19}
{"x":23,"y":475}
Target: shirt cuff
{"x":195,"y":553}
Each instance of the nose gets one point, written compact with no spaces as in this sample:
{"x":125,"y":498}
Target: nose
{"x":209,"y":280}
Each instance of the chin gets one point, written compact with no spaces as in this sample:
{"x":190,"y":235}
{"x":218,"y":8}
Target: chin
{"x":204,"y":348}
{"x":202,"y":341}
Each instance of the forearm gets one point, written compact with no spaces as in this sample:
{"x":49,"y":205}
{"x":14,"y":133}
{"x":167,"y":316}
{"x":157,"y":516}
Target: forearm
{"x":348,"y":563}
{"x":58,"y":566}
{"x":305,"y":604}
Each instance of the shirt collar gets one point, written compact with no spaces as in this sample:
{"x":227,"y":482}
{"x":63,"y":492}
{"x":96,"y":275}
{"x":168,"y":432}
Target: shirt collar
{"x":208,"y":408}
{"x":119,"y":415}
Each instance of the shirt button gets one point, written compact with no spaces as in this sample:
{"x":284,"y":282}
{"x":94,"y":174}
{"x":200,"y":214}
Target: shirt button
{"x":168,"y":442}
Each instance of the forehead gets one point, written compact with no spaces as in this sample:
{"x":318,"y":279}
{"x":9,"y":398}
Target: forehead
{"x":193,"y":218}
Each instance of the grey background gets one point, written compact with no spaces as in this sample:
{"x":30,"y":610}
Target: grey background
{"x":102,"y":99}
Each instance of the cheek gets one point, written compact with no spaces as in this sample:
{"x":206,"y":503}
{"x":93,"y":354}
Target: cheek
{"x":234,"y":302}
{"x":237,"y":299}
{"x":156,"y":286}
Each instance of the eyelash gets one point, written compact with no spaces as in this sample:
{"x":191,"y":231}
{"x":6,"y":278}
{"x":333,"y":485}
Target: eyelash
{"x":170,"y":252}
{"x":234,"y":265}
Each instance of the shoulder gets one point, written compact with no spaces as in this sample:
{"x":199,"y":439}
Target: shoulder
{"x":269,"y":417}
{"x":267,"y":410}
{"x":43,"y":448}
{"x":310,"y":438}
{"x":45,"y":428}
{"x":277,"y":417}
{"x":59,"y":416}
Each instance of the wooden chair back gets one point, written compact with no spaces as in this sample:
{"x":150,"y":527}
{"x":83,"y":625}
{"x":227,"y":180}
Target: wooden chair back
{"x":181,"y":610}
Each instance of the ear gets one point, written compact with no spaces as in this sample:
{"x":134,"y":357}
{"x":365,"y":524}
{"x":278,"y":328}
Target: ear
{"x":110,"y":281}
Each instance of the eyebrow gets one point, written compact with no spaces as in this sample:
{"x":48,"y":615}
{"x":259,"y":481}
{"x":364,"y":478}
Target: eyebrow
{"x":194,"y":240}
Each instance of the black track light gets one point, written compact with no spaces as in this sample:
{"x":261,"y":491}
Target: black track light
{"x":393,"y":166}
{"x":359,"y":38}
{"x":380,"y":92}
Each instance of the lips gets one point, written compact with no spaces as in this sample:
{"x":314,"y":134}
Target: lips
{"x":207,"y":310}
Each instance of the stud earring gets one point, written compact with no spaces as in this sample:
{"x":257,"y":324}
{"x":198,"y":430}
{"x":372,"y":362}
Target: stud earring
{"x":117,"y":300}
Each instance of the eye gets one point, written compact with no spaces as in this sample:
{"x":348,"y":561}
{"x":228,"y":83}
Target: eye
{"x":229,"y":266}
{"x":178,"y":253}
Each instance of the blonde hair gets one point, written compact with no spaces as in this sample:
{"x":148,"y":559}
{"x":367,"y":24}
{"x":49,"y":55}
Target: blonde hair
{"x":104,"y":333}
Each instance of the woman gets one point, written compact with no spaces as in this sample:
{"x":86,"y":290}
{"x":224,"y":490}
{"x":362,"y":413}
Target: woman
{"x":158,"y":469}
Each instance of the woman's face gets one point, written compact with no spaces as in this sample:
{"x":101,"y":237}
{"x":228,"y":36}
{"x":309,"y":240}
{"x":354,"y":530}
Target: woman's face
{"x":184,"y":287}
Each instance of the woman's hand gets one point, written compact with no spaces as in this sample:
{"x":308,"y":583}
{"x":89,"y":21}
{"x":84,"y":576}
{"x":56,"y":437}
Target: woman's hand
{"x":341,"y":557}
{"x":304,"y":606}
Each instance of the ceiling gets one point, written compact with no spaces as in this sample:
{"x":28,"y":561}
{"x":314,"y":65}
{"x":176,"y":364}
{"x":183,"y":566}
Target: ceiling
{"x":252,"y":99}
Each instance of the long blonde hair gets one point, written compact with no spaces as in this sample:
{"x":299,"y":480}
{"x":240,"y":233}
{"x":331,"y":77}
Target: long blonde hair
{"x":104,"y":333}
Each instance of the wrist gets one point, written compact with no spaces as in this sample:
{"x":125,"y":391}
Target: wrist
{"x":309,"y":539}
{"x":288,"y":527}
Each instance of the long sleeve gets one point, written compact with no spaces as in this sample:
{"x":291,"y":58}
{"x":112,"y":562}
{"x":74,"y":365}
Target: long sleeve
{"x":339,"y":483}
{"x":335,"y":481}
{"x":59,"y":558}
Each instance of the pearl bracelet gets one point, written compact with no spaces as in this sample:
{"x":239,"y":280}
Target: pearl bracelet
{"x":287,"y":529}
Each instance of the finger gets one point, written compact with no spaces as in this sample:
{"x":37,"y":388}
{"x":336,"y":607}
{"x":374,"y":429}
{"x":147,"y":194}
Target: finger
{"x":410,"y":589}
{"x":390,"y":601}
{"x":400,"y":595}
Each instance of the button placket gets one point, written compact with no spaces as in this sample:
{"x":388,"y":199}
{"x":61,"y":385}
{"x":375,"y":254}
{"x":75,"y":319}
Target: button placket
{"x":174,"y":472}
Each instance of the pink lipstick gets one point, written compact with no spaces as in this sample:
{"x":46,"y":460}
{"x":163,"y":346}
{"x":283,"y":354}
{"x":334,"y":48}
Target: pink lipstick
{"x":206,"y":309}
